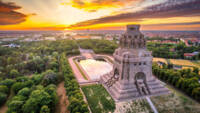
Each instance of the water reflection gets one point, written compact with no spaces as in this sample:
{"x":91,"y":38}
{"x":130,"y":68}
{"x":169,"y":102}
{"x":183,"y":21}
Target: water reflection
{"x":95,"y":68}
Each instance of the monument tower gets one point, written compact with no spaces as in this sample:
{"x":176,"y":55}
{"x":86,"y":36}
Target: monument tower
{"x":131,"y":76}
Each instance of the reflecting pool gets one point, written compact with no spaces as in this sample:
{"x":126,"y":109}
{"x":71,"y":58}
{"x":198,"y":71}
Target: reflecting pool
{"x":95,"y":68}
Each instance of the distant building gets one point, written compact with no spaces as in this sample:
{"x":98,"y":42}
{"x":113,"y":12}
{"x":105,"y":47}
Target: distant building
{"x":34,"y":39}
{"x":82,"y":37}
{"x":160,"y":63}
{"x":96,"y":37}
{"x":9,"y":39}
{"x":172,"y":50}
{"x":190,"y":55}
{"x":108,"y":37}
{"x":112,"y":36}
{"x":12,"y":45}
{"x":177,"y":67}
{"x":191,"y":41}
{"x":50,"y":38}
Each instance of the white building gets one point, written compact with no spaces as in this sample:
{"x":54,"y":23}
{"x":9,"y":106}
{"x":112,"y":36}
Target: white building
{"x":50,"y":38}
{"x":12,"y":45}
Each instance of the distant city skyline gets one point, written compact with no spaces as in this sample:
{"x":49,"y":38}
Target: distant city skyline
{"x":180,"y":15}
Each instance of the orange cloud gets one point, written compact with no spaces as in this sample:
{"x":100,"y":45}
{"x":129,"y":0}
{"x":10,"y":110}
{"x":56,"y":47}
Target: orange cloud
{"x":166,"y":9}
{"x":94,"y":5}
{"x":9,"y":15}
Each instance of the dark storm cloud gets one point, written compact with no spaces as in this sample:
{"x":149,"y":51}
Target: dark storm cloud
{"x":168,"y":9}
{"x":8,"y":15}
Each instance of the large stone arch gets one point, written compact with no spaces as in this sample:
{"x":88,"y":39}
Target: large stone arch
{"x":116,"y":73}
{"x":140,"y":82}
{"x":140,"y":75}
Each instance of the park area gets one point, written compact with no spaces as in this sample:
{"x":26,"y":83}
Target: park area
{"x":98,"y":99}
{"x":176,"y":102}
{"x":184,"y":63}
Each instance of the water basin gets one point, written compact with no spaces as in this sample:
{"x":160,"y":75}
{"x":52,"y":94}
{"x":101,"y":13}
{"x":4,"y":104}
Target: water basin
{"x":95,"y":68}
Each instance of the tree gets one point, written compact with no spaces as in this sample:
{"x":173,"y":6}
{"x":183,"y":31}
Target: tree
{"x":11,"y":60}
{"x":50,"y":77}
{"x":3,"y":97}
{"x":22,"y":79}
{"x":196,"y":93}
{"x":14,"y":73}
{"x":20,"y":85}
{"x":196,"y":70}
{"x":37,"y":98}
{"x":31,"y":106}
{"x":37,"y":78}
{"x":17,"y":86}
{"x":15,"y":106}
{"x":24,"y":92}
{"x":4,"y":89}
{"x":75,"y":106}
{"x":42,"y":97}
{"x":44,"y":109}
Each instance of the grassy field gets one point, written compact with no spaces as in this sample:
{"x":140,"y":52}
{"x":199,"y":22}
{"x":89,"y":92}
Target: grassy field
{"x":183,"y":63}
{"x":110,"y":60}
{"x":160,"y":59}
{"x":98,"y":99}
{"x":135,"y":106}
{"x":197,"y":62}
{"x":176,"y":102}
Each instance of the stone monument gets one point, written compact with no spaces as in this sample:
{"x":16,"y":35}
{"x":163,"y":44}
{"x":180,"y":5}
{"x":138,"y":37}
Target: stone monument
{"x":131,"y":76}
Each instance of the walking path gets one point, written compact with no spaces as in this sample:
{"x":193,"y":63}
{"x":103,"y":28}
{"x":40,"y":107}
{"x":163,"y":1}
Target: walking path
{"x":76,"y":71}
{"x":63,"y":101}
{"x":3,"y":108}
{"x":151,"y":105}
{"x":89,"y":83}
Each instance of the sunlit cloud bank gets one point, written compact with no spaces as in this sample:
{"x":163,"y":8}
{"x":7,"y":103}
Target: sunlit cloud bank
{"x":9,"y":15}
{"x":95,"y":5}
{"x":166,"y":9}
{"x":99,"y":14}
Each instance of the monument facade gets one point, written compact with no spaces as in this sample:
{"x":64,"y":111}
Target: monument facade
{"x":131,"y":76}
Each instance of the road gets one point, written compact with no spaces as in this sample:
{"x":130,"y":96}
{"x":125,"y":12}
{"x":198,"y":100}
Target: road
{"x":151,"y":105}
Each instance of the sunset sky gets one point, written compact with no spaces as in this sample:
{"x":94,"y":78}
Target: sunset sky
{"x":99,"y":14}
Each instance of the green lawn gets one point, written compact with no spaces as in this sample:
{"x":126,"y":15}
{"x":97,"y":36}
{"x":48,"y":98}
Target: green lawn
{"x":98,"y":99}
{"x":135,"y":106}
{"x":110,"y":60}
{"x":176,"y":102}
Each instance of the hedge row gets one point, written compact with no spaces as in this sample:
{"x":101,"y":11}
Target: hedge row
{"x":75,"y":97}
{"x":5,"y":86}
{"x":185,"y":80}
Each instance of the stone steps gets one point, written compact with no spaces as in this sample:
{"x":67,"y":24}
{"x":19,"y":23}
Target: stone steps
{"x":161,"y":90}
{"x":105,"y":78}
{"x":131,"y":90}
{"x":121,"y":91}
